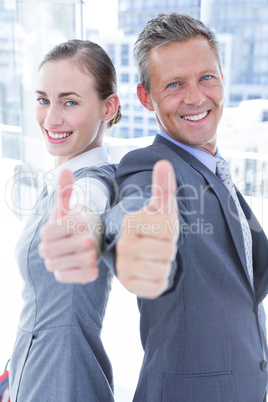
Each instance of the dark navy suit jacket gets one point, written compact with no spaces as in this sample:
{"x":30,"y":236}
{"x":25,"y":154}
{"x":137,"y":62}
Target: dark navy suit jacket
{"x":204,"y":338}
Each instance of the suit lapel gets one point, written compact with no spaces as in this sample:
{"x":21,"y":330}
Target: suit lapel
{"x":223,"y":195}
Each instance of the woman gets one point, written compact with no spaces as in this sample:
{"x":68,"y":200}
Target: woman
{"x":58,"y":354}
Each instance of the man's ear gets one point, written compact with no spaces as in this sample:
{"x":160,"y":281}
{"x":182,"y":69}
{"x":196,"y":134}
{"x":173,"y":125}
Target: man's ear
{"x":144,"y":98}
{"x":111,"y":105}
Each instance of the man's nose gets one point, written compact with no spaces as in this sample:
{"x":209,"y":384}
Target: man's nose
{"x":194,"y":95}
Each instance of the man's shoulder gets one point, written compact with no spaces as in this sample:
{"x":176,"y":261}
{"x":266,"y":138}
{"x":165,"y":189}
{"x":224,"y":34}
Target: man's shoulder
{"x":147,"y":156}
{"x":139,"y":161}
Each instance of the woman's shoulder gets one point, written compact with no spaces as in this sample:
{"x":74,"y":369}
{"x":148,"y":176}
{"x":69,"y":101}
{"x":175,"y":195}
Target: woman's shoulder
{"x":101,"y":177}
{"x":97,"y":172}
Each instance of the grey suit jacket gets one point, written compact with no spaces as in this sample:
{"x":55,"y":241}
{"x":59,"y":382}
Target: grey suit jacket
{"x":204,"y":338}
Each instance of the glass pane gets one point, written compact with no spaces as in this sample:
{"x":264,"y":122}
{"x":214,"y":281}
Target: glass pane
{"x":28,"y":30}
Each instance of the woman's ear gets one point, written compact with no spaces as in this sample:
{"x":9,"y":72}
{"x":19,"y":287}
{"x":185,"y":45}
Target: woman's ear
{"x":111,"y":104}
{"x":144,"y":98}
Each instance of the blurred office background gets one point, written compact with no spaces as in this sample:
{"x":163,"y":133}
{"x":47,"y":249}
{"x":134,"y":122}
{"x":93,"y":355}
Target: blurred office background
{"x":29,"y":28}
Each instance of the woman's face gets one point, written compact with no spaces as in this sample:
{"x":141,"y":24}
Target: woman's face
{"x":68,"y":110}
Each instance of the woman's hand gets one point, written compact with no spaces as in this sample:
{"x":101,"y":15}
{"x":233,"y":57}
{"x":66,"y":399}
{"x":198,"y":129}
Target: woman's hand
{"x":70,"y":240}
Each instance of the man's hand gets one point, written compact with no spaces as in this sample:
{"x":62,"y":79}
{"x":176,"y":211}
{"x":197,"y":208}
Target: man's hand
{"x":147,"y":245}
{"x":66,"y":246}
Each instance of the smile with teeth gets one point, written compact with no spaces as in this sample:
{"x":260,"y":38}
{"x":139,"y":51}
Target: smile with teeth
{"x":196,"y":117}
{"x":58,"y":136}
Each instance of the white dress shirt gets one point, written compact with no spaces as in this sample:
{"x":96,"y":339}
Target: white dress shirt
{"x":87,"y":191}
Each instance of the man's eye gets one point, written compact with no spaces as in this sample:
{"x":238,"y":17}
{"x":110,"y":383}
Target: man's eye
{"x":206,"y":77}
{"x":173,"y":85}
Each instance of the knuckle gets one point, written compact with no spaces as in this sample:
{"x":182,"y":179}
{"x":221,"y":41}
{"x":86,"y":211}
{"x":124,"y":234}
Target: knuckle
{"x":122,"y":245}
{"x":92,"y":256}
{"x":163,"y":272}
{"x":90,"y":243}
{"x":157,"y":288}
{"x":169,"y":251}
{"x":59,"y":277}
{"x":41,"y":250}
{"x":126,"y":282}
{"x":90,"y":275}
{"x":48,"y":264}
{"x":84,"y":243}
{"x":122,"y":274}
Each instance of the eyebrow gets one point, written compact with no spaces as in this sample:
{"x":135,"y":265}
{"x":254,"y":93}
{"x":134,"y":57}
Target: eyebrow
{"x":61,"y":95}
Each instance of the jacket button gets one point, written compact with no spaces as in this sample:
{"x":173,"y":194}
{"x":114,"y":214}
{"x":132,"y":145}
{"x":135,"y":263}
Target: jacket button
{"x":264,"y":365}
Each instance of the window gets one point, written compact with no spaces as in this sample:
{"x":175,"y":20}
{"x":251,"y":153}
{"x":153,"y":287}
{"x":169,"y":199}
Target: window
{"x":138,"y":132}
{"x":125,"y":119}
{"x":265,"y":115}
{"x":124,"y":55}
{"x":138,"y":119}
{"x":124,"y":77}
{"x":236,"y":98}
{"x":39,"y":26}
{"x":254,"y":97}
{"x":138,"y":107}
{"x":151,"y":132}
{"x":124,"y":131}
{"x":111,"y":51}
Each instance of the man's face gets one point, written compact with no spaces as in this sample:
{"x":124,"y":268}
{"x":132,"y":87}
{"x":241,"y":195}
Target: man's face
{"x":186,"y":92}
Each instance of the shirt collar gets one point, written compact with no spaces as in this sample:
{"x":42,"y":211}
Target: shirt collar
{"x":93,"y":157}
{"x":204,"y":157}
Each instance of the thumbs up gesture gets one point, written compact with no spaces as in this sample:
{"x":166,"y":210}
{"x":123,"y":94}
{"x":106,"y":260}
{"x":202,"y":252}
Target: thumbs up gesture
{"x":147,"y":245}
{"x":67,"y":245}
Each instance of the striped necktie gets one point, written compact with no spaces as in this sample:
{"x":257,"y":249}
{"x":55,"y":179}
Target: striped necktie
{"x":224,"y":174}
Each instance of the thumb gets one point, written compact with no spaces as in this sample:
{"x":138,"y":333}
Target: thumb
{"x":64,"y":192}
{"x":164,"y":188}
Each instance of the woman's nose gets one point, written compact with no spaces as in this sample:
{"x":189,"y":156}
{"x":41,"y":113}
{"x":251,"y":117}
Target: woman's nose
{"x":53,"y":117}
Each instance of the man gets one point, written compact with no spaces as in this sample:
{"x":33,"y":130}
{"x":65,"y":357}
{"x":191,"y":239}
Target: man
{"x":200,"y":286}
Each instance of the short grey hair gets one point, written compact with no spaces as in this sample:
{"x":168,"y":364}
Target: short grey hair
{"x":165,"y":29}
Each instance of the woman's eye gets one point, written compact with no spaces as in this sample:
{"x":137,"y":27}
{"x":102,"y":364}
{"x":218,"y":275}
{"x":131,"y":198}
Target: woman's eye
{"x":173,"y":85}
{"x":71,"y":103}
{"x":43,"y":101}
